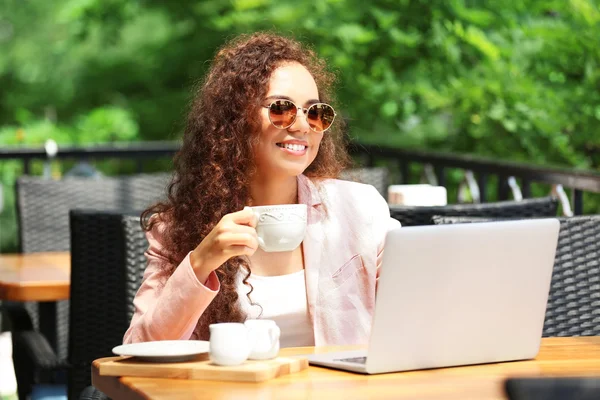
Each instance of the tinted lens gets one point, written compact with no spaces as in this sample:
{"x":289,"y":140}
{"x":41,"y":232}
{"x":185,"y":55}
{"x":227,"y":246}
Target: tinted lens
{"x":282,"y":113}
{"x":320,"y":116}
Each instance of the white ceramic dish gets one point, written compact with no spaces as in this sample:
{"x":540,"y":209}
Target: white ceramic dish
{"x":163,"y":350}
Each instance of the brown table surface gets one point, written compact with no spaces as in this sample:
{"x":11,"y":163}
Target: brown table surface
{"x":35,"y":276}
{"x":578,"y":356}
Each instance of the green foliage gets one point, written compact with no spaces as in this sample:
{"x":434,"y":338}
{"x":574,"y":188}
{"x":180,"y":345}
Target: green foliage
{"x":100,"y":125}
{"x":506,"y":79}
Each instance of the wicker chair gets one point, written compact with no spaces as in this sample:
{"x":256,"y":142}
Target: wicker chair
{"x":377,"y":176}
{"x":131,"y":264}
{"x":574,"y":302}
{"x":100,"y":282}
{"x":416,"y":215}
{"x":107,"y":253}
{"x":136,"y":245}
{"x":43,"y":211}
{"x":91,"y":393}
{"x":43,"y":205}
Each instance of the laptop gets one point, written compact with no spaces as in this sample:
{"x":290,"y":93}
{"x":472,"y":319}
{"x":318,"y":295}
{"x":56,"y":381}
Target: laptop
{"x":459,"y":294}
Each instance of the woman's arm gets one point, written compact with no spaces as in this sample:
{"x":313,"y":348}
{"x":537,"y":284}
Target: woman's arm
{"x":168,"y":308}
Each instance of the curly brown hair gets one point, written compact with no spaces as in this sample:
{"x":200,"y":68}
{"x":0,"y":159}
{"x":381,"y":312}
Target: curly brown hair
{"x":213,"y":166}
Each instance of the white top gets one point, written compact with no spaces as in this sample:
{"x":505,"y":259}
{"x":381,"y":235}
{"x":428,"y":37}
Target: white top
{"x":282,"y":299}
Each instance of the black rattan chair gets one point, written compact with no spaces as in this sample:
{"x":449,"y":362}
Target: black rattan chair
{"x":131,"y":264}
{"x":91,"y":393}
{"x":574,"y":302}
{"x":107,"y":266}
{"x":417,"y":215}
{"x":376,"y":176}
{"x":99,"y":283}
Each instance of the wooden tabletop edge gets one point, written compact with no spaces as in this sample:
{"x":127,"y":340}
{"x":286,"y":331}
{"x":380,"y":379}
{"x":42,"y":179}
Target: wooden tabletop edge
{"x":36,"y":284}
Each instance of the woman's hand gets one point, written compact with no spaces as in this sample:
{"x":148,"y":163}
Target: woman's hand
{"x":234,"y":235}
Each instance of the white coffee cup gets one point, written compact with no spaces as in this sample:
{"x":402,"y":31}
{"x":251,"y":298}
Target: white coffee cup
{"x":264,"y":335}
{"x":229,"y":344}
{"x":417,"y":195}
{"x":280,"y":227}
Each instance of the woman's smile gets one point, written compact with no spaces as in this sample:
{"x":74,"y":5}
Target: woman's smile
{"x":293,"y":147}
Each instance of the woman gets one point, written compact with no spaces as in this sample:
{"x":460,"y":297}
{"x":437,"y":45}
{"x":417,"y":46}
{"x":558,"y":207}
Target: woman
{"x":261,"y":132}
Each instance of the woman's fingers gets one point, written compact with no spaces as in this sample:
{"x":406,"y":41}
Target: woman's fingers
{"x":239,"y":239}
{"x":244,"y":217}
{"x":241,"y":251}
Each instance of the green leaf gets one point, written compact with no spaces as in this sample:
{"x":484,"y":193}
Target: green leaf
{"x":498,"y":111}
{"x":476,"y":16}
{"x":243,"y":5}
{"x":586,"y":10}
{"x":510,"y":125}
{"x":479,"y":40}
{"x":355,"y":33}
{"x":411,"y":39}
{"x":385,"y":19}
{"x":389,"y":109}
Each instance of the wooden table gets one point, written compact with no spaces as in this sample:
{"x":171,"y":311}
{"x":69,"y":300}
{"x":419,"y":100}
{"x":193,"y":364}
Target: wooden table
{"x":557,"y":357}
{"x":41,"y":277}
{"x":35,"y":276}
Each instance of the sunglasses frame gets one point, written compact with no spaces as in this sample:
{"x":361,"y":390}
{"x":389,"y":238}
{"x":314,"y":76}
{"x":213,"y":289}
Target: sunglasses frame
{"x":304,"y":111}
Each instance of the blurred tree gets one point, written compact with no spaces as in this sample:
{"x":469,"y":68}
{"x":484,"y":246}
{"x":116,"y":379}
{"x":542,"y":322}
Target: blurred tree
{"x":504,"y":78}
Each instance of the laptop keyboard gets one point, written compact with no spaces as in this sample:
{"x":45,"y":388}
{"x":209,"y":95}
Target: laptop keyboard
{"x":357,"y":360}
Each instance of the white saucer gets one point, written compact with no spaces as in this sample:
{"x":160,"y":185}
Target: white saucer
{"x":163,"y":350}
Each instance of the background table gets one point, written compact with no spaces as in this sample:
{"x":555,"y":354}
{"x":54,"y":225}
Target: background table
{"x":41,"y":277}
{"x":35,"y":276}
{"x":577,"y":356}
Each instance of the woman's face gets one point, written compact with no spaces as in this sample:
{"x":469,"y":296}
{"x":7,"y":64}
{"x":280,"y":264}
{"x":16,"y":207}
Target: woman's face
{"x":288,"y":152}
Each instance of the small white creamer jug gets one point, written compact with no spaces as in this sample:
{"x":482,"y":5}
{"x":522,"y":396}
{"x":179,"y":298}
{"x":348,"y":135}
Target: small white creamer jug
{"x":230,"y":343}
{"x":264,"y":338}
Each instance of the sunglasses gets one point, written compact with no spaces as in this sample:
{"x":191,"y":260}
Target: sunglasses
{"x":283,"y":114}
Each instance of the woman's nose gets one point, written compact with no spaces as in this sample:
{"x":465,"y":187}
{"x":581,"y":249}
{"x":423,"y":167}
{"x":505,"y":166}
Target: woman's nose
{"x":301,"y":123}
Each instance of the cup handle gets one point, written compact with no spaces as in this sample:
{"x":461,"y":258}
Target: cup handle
{"x":274,"y":333}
